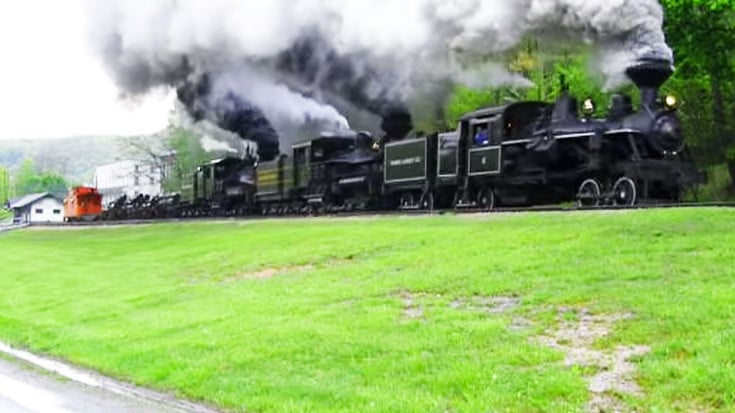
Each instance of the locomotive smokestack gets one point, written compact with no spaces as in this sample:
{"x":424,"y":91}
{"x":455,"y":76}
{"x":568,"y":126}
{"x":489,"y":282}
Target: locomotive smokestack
{"x":649,"y":75}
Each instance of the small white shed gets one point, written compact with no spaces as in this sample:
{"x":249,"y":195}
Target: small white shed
{"x":38,"y":208}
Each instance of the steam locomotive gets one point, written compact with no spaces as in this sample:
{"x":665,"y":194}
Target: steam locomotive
{"x":530,"y":153}
{"x":521,"y":154}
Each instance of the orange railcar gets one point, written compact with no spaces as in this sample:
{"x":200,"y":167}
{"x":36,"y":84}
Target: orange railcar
{"x":82,"y":204}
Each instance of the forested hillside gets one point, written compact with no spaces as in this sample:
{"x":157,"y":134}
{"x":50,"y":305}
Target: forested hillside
{"x":74,"y":157}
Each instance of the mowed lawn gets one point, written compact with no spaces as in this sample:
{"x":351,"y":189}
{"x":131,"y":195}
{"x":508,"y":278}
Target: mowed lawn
{"x":371,"y":315}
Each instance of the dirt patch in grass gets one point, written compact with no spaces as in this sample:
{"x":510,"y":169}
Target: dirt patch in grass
{"x":614,"y":370}
{"x":415,"y":304}
{"x":413,"y":309}
{"x":270,"y":272}
{"x":490,"y":305}
{"x":267,"y":273}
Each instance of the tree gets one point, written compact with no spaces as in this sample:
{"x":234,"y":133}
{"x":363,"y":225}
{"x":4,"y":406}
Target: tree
{"x":188,"y":153}
{"x":5,"y":189}
{"x":702,"y":33}
{"x":172,"y":155}
{"x":29,"y":181}
{"x":545,"y":70}
{"x":24,"y":179}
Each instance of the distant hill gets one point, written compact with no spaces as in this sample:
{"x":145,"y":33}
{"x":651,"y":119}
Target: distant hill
{"x":75,"y":157}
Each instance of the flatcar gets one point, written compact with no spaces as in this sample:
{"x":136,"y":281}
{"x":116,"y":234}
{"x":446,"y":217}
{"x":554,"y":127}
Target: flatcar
{"x":222,"y":187}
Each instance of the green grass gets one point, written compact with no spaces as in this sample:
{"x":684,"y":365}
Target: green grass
{"x":172,"y":307}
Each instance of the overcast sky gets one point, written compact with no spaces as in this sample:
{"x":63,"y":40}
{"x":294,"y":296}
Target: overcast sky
{"x":51,"y":86}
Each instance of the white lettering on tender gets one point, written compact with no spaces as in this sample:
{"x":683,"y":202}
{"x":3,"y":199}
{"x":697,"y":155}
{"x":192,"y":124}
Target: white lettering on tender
{"x":406,"y":161}
{"x":348,"y":181}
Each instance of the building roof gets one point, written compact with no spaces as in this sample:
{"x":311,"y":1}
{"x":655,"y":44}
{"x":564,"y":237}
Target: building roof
{"x":30,"y":199}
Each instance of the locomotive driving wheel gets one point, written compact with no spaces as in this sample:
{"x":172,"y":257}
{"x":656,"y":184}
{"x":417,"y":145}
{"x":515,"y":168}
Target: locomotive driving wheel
{"x":589,"y":194}
{"x":486,"y":199}
{"x":427,"y":201}
{"x":625,"y":192}
{"x":406,"y":201}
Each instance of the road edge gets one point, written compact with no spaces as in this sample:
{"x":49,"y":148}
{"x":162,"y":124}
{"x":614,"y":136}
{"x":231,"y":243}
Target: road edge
{"x":94,"y":379}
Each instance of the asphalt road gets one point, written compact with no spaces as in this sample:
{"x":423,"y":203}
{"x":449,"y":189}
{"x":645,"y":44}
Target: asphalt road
{"x":25,"y":389}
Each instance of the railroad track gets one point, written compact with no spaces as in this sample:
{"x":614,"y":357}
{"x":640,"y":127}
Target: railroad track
{"x":467,"y":211}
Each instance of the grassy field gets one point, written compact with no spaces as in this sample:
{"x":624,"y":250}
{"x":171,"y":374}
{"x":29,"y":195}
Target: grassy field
{"x":442,"y":314}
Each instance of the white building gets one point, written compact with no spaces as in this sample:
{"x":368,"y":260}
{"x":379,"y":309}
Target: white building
{"x":129,"y":178}
{"x":37,"y":208}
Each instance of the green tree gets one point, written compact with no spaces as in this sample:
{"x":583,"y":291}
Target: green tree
{"x":188,"y":153}
{"x":25,"y":178}
{"x":29,"y":181}
{"x":702,"y":33}
{"x":5,"y":189}
{"x":545,"y":70}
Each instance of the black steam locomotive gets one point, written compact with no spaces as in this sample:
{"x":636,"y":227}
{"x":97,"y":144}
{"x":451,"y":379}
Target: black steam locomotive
{"x":537,"y":153}
{"x":525,"y":153}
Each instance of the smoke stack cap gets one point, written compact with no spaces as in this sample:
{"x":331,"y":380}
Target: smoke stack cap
{"x":650,"y":73}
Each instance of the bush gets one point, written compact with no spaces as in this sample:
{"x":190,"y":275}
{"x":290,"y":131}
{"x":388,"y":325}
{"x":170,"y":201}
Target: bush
{"x":719,"y":185}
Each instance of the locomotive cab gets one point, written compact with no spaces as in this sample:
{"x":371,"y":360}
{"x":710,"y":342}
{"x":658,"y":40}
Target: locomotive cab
{"x":344,"y":171}
{"x":224,"y":186}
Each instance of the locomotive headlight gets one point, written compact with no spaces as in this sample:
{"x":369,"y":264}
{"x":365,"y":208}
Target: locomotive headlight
{"x":671,"y":102}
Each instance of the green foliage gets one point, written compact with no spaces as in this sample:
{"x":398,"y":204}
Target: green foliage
{"x":29,"y":181}
{"x":5,"y":186}
{"x":189,"y":154}
{"x":702,"y":34}
{"x":718,"y":187}
{"x":730,"y":153}
{"x":466,"y":100}
{"x":259,"y":316}
{"x":546,"y":73}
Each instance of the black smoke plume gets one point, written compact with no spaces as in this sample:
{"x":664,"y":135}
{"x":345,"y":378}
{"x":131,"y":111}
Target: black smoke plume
{"x":231,"y":113}
{"x":275,"y":62}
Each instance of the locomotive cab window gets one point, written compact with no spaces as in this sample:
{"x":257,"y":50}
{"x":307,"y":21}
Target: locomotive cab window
{"x":482,"y":132}
{"x":481,"y":135}
{"x":327,"y":148}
